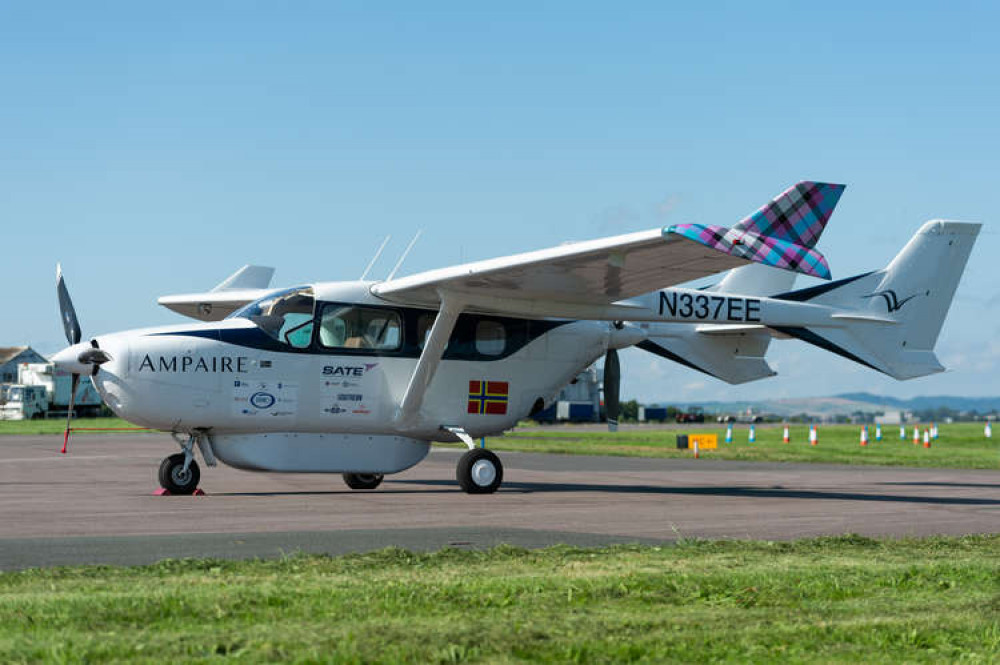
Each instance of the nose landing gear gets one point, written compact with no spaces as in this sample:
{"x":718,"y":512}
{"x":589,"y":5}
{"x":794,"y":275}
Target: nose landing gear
{"x":179,"y":473}
{"x":178,"y":478}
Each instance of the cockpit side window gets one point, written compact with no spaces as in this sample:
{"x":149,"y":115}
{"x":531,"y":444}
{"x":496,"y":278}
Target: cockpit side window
{"x":351,"y":327}
{"x":287,"y":316}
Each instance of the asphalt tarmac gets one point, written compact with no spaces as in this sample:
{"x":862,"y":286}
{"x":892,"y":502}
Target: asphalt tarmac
{"x":96,"y":504}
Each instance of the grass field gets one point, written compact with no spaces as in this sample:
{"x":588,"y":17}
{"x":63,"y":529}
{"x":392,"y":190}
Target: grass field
{"x":56,"y":425}
{"x":846,"y":599}
{"x":960,"y":445}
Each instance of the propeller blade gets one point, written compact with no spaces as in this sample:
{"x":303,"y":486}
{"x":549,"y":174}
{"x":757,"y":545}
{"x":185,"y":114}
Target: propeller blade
{"x":71,"y":326}
{"x":69,"y":414}
{"x":612,"y":385}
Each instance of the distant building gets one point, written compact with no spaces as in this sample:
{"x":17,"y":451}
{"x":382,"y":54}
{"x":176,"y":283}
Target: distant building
{"x":12,"y":356}
{"x":578,"y":401}
{"x":890,"y":418}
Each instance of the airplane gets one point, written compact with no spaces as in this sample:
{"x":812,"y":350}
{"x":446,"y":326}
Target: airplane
{"x":360,"y":377}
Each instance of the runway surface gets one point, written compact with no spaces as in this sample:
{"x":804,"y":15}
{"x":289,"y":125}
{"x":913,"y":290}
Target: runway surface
{"x":95,"y":505}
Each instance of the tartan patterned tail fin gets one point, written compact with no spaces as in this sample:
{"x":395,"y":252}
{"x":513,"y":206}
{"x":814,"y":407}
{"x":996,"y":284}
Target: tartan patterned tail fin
{"x":781,"y":234}
{"x":798,"y":215}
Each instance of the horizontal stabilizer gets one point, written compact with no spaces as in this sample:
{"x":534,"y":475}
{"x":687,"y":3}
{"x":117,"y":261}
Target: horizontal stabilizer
{"x":735,"y":358}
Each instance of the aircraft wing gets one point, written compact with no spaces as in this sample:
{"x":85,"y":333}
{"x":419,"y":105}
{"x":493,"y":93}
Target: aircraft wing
{"x":242,"y":287}
{"x":604,"y":271}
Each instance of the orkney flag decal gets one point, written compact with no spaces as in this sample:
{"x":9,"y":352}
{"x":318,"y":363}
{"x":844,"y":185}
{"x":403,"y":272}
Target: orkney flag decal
{"x":488,"y":397}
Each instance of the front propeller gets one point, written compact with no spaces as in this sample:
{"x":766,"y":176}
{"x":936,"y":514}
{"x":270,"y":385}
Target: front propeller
{"x":77,"y":360}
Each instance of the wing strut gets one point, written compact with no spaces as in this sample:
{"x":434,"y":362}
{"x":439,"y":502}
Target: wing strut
{"x":430,"y":358}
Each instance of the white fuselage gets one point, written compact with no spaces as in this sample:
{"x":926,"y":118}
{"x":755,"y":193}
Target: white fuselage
{"x":218,"y":377}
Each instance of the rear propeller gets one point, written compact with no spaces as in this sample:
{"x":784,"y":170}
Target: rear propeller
{"x":612,"y":386}
{"x":93,"y":356}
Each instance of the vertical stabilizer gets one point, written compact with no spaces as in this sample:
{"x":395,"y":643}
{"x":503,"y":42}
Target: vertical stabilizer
{"x":890,"y":319}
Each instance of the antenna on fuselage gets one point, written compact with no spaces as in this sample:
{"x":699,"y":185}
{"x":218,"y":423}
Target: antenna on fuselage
{"x":403,"y":257}
{"x":378,"y":253}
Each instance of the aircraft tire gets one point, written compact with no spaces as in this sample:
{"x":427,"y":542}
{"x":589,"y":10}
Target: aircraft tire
{"x":479,"y":471}
{"x":174,"y":480}
{"x":363,"y":481}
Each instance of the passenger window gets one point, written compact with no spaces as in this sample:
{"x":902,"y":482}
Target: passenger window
{"x":349,"y":327}
{"x":491,"y":338}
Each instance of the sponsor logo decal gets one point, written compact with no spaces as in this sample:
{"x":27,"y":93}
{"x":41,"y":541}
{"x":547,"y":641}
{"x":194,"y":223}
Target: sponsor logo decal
{"x":488,"y":397}
{"x":262,"y":400}
{"x":348,"y":370}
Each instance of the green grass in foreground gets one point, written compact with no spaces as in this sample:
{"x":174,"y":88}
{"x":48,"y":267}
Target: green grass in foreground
{"x":57,"y":425}
{"x":847,"y":599}
{"x":961,"y":445}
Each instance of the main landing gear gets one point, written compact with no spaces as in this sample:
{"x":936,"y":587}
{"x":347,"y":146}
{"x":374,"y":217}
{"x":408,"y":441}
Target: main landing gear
{"x":479,"y":470}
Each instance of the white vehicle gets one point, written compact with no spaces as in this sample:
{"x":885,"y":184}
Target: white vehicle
{"x":42,"y":390}
{"x":20,"y":402}
{"x":57,"y":384}
{"x":360,"y":377}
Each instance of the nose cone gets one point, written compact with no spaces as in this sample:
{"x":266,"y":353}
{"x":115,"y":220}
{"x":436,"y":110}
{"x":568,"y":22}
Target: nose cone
{"x":69,"y":359}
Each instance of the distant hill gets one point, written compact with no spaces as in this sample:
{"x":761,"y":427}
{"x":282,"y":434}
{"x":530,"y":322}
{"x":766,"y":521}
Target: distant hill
{"x":849,"y":403}
{"x":980,"y":404}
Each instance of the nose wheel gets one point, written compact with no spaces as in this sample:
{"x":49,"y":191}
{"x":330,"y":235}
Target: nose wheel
{"x":178,"y":478}
{"x":479,"y":471}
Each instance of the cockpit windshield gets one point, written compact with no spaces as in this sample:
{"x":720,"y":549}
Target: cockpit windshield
{"x":285,"y":315}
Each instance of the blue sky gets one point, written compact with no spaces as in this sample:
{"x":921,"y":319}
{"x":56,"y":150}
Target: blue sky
{"x":155,"y":149}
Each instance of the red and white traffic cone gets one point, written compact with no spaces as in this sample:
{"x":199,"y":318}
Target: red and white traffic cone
{"x":927,"y":438}
{"x":864,"y":435}
{"x":916,"y":435}
{"x":696,"y":448}
{"x":784,"y":436}
{"x":813,"y":436}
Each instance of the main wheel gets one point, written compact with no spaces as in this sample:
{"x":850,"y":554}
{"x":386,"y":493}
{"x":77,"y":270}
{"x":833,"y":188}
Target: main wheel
{"x":363,"y":481}
{"x":479,"y":471}
{"x":175,"y":479}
